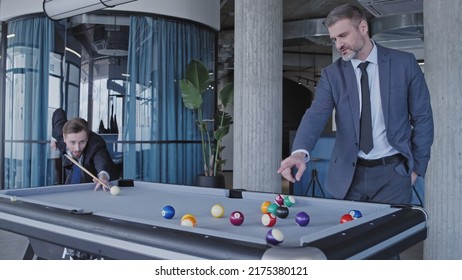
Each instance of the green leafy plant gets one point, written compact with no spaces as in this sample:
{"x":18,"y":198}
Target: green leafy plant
{"x":192,"y":87}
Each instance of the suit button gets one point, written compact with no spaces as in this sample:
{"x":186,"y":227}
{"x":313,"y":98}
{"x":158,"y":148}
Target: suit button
{"x":353,"y":163}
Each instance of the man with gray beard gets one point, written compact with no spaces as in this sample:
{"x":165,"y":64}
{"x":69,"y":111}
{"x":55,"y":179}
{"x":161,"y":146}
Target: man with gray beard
{"x":382,"y":113}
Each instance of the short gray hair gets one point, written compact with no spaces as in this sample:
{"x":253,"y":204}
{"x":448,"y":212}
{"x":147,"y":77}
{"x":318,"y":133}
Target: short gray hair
{"x":345,"y":11}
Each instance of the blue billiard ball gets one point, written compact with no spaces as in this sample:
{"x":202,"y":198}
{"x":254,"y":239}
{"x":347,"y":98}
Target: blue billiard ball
{"x":356,"y":214}
{"x":302,"y":219}
{"x":168,"y":212}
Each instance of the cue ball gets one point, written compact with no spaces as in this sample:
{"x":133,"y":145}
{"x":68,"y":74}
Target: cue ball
{"x":268,"y":220}
{"x":217,"y":211}
{"x":168,"y":212}
{"x":282,"y":212}
{"x":356,"y":214}
{"x":236,"y":218}
{"x":279,"y":199}
{"x":115,"y":190}
{"x":302,"y":219}
{"x":289,"y":200}
{"x":274,"y":236}
{"x":346,"y":218}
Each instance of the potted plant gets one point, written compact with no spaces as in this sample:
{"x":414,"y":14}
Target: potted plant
{"x":192,"y":88}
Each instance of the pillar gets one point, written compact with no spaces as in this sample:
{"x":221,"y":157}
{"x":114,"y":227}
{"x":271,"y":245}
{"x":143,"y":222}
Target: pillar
{"x":257,"y":95}
{"x":443,"y":190}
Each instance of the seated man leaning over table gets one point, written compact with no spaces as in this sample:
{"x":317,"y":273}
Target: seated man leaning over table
{"x":74,"y":138}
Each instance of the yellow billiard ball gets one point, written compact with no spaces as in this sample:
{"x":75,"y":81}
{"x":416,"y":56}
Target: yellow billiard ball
{"x":217,"y":211}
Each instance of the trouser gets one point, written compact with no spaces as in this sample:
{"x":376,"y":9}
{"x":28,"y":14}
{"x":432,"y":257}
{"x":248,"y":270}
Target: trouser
{"x":381,"y":183}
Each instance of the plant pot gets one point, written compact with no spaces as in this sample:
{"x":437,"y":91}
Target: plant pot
{"x":217,"y":181}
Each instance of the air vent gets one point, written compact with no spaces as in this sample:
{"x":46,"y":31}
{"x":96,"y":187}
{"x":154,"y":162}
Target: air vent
{"x":381,"y":8}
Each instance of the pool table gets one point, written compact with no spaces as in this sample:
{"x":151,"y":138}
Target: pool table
{"x":75,"y":222}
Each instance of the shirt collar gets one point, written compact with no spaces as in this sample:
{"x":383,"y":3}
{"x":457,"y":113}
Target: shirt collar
{"x":372,"y":57}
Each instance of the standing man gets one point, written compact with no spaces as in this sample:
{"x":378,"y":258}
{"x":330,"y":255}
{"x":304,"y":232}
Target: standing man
{"x":74,"y":138}
{"x":382,"y":140}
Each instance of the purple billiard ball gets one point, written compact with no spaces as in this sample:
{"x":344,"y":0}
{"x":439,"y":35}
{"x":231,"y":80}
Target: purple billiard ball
{"x":302,"y":219}
{"x":168,"y":212}
{"x":274,"y":236}
{"x":356,"y":214}
{"x":236,"y":218}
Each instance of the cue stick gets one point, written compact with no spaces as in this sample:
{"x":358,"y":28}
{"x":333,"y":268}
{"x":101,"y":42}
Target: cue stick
{"x":85,"y":170}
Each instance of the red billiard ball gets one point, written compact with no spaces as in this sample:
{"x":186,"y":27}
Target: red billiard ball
{"x":274,"y":236}
{"x":282,"y":212}
{"x":236,"y":218}
{"x":268,"y":220}
{"x":346,"y":218}
{"x":302,"y":219}
{"x":279,"y":199}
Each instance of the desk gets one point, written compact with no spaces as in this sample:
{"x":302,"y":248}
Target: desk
{"x":73,"y":221}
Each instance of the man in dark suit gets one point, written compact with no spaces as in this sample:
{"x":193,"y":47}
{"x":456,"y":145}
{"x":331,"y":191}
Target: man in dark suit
{"x":400,"y":117}
{"x":74,"y":138}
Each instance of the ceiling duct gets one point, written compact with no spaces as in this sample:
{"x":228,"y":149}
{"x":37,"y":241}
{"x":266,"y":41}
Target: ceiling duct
{"x":381,"y":8}
{"x":402,"y":32}
{"x":313,"y":30}
{"x":112,"y":42}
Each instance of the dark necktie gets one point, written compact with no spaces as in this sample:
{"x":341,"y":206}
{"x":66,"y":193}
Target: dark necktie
{"x":365,"y":139}
{"x":76,"y":174}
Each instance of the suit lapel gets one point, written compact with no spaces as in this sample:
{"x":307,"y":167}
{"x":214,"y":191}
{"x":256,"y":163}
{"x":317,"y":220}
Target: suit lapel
{"x":384,"y":73}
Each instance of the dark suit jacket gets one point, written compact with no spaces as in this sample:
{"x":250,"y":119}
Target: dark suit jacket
{"x":96,"y":157}
{"x":406,"y":109}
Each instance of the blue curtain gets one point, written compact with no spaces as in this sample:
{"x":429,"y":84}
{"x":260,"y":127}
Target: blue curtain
{"x":27,"y":68}
{"x":162,"y":140}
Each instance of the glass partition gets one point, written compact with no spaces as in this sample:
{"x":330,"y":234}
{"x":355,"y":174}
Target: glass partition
{"x":120,"y":72}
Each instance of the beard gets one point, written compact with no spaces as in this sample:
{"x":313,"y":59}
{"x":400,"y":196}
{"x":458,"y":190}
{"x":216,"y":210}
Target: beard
{"x":353,"y":51}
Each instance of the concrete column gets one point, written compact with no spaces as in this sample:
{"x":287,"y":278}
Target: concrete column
{"x":257,"y":95}
{"x":443,"y":71}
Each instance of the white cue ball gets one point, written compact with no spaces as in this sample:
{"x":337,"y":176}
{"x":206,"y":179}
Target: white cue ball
{"x":115,"y":190}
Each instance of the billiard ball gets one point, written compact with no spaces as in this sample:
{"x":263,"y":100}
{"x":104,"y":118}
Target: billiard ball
{"x":289,"y":200}
{"x":279,"y":199}
{"x":346,"y":218}
{"x":217,"y":211}
{"x":188,"y":220}
{"x":272,"y":208}
{"x":115,"y":190}
{"x":268,"y":220}
{"x":302,"y":219}
{"x":356,"y":214}
{"x":168,"y":212}
{"x":236,"y":218}
{"x":264,"y":207}
{"x":274,"y":236}
{"x":282,"y":212}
